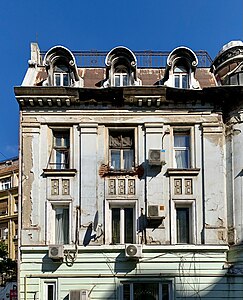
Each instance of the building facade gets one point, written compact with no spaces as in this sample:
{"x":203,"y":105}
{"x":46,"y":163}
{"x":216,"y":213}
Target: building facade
{"x":9,"y":172}
{"x":131,"y":181}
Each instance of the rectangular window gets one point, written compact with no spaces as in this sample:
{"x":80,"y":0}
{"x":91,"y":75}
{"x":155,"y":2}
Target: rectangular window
{"x":50,"y":291}
{"x":3,"y":206}
{"x":146,"y":291}
{"x":121,"y":79}
{"x":61,"y":149}
{"x":181,"y":81}
{"x":5,"y":183}
{"x":121,"y":148}
{"x":183,"y":225}
{"x":61,"y":79}
{"x":122,"y":219}
{"x":182,"y":149}
{"x":61,"y":224}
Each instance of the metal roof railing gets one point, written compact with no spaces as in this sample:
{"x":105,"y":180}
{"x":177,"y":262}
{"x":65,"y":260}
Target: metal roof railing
{"x":145,"y":59}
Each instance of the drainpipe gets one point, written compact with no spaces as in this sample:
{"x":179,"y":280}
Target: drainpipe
{"x":80,"y":182}
{"x":20,"y":200}
{"x":203,"y":189}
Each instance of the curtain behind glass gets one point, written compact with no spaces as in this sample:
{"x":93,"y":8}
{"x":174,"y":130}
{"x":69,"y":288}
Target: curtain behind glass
{"x":62,"y":225}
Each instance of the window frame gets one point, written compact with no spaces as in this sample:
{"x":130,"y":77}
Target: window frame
{"x":50,"y":282}
{"x":65,"y":162}
{"x":132,"y":132}
{"x":181,"y":74}
{"x":186,"y":131}
{"x":63,"y":70}
{"x":143,"y":282}
{"x":51,"y":220}
{"x":6,"y":183}
{"x":110,"y":204}
{"x":191,"y":204}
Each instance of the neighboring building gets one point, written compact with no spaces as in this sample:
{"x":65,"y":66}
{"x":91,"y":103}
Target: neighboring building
{"x":131,"y":175}
{"x":9,"y":173}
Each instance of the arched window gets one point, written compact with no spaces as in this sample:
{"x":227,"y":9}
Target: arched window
{"x":121,"y":68}
{"x":180,"y":69}
{"x":61,"y":68}
{"x":181,"y":77}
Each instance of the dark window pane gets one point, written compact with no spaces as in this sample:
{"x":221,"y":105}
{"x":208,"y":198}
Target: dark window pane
{"x":126,"y":292}
{"x":115,"y":225}
{"x":128,"y":225}
{"x":57,"y":80}
{"x":50,"y":292}
{"x":125,"y":80}
{"x":146,"y":291}
{"x":177,"y":81}
{"x":117,"y":80}
{"x":184,"y":81}
{"x":182,"y":222}
{"x":65,"y":79}
{"x":165,"y":291}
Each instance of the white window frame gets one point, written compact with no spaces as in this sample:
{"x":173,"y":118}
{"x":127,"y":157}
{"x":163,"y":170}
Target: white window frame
{"x":191,"y":204}
{"x":180,"y":75}
{"x":51,"y":219}
{"x":160,"y":283}
{"x":6,"y":183}
{"x":115,"y":203}
{"x":61,"y":75}
{"x":184,"y":131}
{"x":51,"y":282}
{"x":121,"y":77}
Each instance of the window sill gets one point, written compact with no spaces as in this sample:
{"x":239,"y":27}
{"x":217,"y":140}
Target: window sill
{"x":59,"y":172}
{"x":183,"y":172}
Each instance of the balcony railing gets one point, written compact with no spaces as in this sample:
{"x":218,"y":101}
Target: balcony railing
{"x":145,"y":59}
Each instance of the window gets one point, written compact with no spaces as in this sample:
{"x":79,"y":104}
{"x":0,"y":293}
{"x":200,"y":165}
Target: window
{"x":50,"y":291}
{"x":122,"y":223}
{"x":61,"y":149}
{"x":182,"y":149}
{"x":61,"y":75}
{"x":121,"y":148}
{"x":5,"y":183}
{"x":146,"y":291}
{"x":61,"y":224}
{"x":183,"y":225}
{"x":15,"y":204}
{"x":3,"y":206}
{"x":181,"y":77}
{"x":121,"y":76}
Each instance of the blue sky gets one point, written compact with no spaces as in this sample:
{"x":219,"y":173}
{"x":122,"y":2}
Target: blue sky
{"x":102,"y":25}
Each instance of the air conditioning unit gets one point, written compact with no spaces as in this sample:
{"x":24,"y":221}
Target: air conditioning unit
{"x":133,"y":251}
{"x":79,"y":295}
{"x":156,"y":157}
{"x":55,"y":252}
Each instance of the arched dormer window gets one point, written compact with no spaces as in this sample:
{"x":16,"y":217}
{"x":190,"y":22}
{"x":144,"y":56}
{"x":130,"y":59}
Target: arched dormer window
{"x":61,"y":68}
{"x":180,"y":69}
{"x":121,"y":68}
